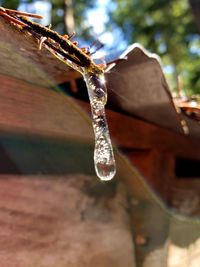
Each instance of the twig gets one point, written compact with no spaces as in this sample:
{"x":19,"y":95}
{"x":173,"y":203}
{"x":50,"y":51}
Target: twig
{"x":56,"y":42}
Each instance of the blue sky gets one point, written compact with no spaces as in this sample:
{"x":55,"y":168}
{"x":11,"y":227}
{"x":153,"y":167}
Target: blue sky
{"x":97,"y":18}
{"x":99,"y":24}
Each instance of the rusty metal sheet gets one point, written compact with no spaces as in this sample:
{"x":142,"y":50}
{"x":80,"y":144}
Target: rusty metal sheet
{"x":138,"y":87}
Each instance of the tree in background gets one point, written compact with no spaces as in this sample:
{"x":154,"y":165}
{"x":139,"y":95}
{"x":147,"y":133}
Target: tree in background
{"x":67,"y":15}
{"x":166,"y":27}
{"x":11,"y":4}
{"x":195,"y":5}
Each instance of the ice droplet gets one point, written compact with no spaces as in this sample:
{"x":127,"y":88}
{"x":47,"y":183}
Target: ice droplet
{"x":95,"y":80}
{"x":103,"y":153}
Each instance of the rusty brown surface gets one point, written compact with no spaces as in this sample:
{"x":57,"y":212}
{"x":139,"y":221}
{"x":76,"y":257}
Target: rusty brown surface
{"x":137,"y":86}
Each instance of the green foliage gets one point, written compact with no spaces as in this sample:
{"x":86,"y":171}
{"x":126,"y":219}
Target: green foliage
{"x":165,"y":27}
{"x":12,"y":4}
{"x":80,"y":8}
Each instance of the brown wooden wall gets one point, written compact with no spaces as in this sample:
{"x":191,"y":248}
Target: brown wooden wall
{"x":53,"y":209}
{"x":154,"y":150}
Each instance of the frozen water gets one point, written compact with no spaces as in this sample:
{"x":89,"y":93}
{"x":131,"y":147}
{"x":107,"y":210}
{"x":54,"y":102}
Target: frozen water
{"x":103,"y":153}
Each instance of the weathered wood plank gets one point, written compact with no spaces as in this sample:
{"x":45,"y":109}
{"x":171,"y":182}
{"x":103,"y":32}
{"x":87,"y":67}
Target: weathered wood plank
{"x":63,"y":221}
{"x":37,"y":110}
{"x":21,"y":58}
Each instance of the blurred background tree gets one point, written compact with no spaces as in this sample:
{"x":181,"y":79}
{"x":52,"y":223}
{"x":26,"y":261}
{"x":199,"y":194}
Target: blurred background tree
{"x":67,"y":16}
{"x":170,"y":28}
{"x":165,"y":27}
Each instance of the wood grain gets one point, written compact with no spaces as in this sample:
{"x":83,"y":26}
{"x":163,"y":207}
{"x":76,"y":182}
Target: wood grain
{"x":133,"y":133}
{"x":27,"y":108}
{"x":21,"y":58}
{"x":56,"y":221}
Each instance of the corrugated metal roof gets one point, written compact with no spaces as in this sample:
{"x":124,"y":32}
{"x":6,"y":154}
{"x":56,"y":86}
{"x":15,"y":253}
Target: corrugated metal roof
{"x":138,"y":87}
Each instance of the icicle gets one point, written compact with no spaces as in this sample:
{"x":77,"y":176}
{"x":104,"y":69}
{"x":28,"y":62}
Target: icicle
{"x":103,"y":153}
{"x":76,"y":58}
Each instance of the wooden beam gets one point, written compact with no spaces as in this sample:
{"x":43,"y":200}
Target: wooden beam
{"x":133,"y":133}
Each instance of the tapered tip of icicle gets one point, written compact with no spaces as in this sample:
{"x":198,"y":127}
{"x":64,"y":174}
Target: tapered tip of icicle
{"x":105,"y":172}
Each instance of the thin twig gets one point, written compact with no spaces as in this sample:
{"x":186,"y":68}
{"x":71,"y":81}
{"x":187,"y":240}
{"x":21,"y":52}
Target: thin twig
{"x":20,"y":13}
{"x":63,"y":46}
{"x":69,"y":47}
